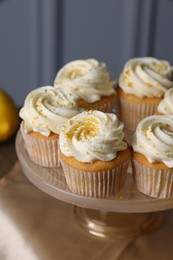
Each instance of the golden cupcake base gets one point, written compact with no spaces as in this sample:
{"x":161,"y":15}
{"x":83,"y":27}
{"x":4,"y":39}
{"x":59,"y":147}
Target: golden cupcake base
{"x":127,"y":214}
{"x":133,"y":109}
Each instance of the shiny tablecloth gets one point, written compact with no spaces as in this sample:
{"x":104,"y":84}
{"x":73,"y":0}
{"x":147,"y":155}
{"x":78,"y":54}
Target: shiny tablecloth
{"x":33,"y":225}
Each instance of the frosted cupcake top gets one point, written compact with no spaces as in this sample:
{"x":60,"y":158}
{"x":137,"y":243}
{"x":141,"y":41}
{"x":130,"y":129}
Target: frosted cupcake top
{"x":146,"y":77}
{"x":86,"y":79}
{"x":47,"y":109}
{"x":154,"y":139}
{"x":91,"y":136}
{"x":166,"y":104}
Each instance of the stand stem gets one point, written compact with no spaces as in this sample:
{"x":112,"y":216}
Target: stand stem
{"x":117,"y":225}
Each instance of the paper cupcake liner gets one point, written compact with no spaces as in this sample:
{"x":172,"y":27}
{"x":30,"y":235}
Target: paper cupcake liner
{"x":132,"y":113}
{"x":153,"y":182}
{"x":41,"y":151}
{"x":100,"y":184}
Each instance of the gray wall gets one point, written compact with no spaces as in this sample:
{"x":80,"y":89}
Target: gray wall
{"x":38,"y":37}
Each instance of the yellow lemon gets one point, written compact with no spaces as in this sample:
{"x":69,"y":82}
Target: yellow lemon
{"x":8,"y":116}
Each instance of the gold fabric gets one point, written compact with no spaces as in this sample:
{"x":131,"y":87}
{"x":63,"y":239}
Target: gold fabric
{"x":36,"y":226}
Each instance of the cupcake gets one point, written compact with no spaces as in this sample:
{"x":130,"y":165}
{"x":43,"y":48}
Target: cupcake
{"x":166,"y":104}
{"x":93,"y":154}
{"x":90,"y":82}
{"x":142,"y":85}
{"x":152,"y":157}
{"x":45,"y":111}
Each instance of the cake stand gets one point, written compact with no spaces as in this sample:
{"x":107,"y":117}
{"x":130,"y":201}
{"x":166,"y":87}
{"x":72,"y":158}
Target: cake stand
{"x":126,"y":215}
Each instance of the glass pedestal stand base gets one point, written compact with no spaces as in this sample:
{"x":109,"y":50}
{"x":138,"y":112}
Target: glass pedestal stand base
{"x":117,"y":225}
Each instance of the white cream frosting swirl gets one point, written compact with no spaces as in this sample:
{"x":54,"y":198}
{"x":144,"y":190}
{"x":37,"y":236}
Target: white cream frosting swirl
{"x":154,"y":139}
{"x":146,"y":77}
{"x":47,"y":109}
{"x":166,"y":104}
{"x":87,"y":79}
{"x":92,"y":135}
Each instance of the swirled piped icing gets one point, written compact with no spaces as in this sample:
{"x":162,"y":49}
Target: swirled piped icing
{"x":166,"y":104}
{"x":47,"y":109}
{"x":92,"y":135}
{"x":146,"y":77}
{"x":86,"y":79}
{"x":154,"y":139}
